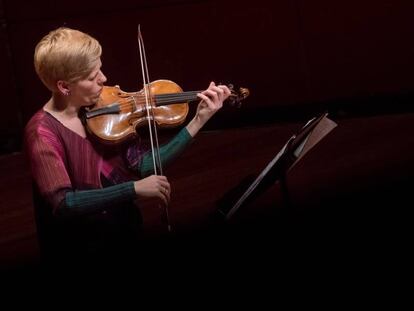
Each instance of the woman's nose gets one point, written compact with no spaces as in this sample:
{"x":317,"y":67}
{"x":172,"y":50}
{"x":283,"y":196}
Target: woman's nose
{"x":102,"y":78}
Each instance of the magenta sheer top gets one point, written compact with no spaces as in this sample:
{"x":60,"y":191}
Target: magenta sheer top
{"x":63,"y":162}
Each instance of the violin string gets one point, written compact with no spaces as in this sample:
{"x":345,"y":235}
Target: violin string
{"x":137,"y":99}
{"x":186,"y":96}
{"x":127,"y":104}
{"x":159,"y":99}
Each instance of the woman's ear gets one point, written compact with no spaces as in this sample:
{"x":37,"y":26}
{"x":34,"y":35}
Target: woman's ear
{"x":63,"y":87}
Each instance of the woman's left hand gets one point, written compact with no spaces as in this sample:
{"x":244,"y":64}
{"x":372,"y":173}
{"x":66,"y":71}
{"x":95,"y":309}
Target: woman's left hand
{"x":211,"y":101}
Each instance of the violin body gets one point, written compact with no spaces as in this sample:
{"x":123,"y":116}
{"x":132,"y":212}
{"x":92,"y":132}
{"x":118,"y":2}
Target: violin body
{"x":129,"y":111}
{"x":118,"y":114}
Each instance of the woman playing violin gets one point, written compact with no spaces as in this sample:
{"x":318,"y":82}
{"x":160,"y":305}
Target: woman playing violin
{"x":85,"y":192}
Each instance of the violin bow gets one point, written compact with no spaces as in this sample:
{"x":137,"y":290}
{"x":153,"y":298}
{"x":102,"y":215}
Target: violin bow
{"x":152,"y":126}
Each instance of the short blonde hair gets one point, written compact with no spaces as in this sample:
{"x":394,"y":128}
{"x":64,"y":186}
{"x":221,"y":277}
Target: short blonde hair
{"x":65,"y":54}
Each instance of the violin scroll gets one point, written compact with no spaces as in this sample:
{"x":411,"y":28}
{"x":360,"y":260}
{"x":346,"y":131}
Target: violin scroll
{"x":236,"y":97}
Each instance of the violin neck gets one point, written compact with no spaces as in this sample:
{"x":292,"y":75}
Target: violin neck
{"x":175,"y":98}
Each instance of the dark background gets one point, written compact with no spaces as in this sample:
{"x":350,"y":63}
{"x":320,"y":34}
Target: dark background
{"x":351,"y":58}
{"x":295,"y":56}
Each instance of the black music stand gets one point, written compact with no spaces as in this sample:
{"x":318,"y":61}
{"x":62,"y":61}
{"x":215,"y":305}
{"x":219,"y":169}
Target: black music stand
{"x":276,"y":171}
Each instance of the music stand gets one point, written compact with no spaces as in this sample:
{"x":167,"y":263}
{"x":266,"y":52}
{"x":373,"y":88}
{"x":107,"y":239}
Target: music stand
{"x":294,"y":149}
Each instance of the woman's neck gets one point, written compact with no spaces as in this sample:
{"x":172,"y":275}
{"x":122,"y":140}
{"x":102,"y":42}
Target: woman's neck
{"x":66,"y":114}
{"x":61,"y":106}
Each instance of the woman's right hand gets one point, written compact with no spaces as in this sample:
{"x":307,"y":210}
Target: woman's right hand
{"x":153,"y":186}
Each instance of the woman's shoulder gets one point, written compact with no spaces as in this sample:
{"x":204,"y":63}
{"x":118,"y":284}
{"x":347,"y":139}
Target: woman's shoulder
{"x":40,"y":122}
{"x":40,"y":117}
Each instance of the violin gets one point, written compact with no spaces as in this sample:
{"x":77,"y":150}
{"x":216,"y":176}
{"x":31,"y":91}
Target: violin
{"x":118,"y":114}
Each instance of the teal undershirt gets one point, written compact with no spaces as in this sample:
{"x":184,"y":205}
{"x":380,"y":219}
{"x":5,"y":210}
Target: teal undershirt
{"x":168,"y":153}
{"x":85,"y":201}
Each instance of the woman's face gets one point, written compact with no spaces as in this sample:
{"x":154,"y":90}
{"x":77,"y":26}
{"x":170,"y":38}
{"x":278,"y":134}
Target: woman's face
{"x":86,"y":92}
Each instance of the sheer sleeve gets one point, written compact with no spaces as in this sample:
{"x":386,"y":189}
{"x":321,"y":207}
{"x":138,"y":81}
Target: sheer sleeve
{"x":49,"y":167}
{"x":46,"y":156}
{"x":142,"y":162}
{"x":86,"y":201}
